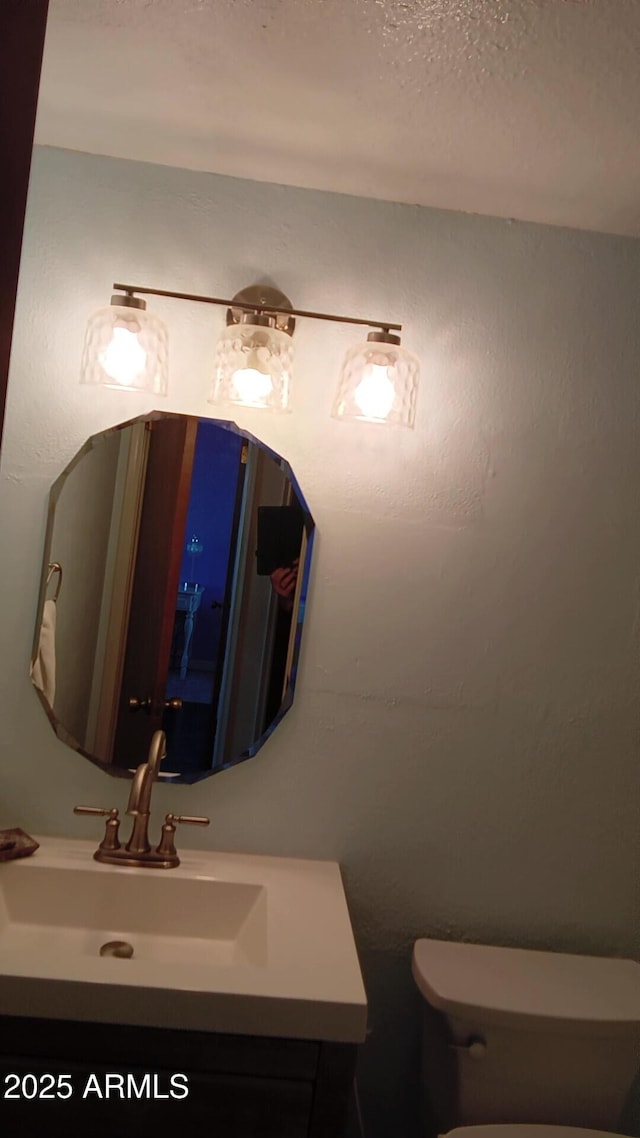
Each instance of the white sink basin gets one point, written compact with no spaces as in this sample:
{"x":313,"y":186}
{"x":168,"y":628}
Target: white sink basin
{"x":224,"y":942}
{"x":74,"y":910}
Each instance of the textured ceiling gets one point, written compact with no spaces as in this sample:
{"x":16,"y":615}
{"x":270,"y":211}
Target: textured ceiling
{"x":524,"y":108}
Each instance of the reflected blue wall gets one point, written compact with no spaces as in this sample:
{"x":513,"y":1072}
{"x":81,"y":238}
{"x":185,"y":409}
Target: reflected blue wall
{"x":210,"y":517}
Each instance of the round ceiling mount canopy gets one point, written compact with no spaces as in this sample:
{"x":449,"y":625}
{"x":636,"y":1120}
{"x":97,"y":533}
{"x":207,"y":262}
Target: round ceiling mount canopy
{"x":265,"y":298}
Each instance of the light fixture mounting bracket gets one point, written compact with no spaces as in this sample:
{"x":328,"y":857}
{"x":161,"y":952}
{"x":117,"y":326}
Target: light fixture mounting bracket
{"x":266,"y":299}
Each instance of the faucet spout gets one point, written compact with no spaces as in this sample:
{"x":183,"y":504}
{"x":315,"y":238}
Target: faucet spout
{"x":139,"y":789}
{"x":157,"y":752}
{"x":139,"y":804}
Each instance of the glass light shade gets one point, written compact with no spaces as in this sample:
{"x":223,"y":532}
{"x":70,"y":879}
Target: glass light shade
{"x":126,"y":348}
{"x":378,"y":384}
{"x":253,"y":367}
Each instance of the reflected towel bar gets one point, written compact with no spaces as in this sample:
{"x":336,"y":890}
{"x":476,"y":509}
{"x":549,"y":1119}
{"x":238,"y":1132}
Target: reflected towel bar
{"x":55,"y":567}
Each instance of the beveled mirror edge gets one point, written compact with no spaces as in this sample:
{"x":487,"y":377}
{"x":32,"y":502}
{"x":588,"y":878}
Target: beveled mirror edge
{"x":71,"y":742}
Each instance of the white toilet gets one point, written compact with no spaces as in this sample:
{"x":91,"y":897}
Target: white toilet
{"x":522,"y":1044}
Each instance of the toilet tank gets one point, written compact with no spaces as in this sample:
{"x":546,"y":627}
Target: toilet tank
{"x":513,"y":1035}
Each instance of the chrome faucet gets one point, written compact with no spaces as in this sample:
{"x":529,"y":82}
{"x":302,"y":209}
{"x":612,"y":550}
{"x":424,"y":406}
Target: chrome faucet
{"x":138,"y":851}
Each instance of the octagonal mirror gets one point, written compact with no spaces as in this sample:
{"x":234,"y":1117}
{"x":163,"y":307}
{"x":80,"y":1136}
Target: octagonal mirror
{"x":173,"y":592}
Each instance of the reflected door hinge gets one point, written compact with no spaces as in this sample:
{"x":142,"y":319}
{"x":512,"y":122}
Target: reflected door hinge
{"x":244,"y":454}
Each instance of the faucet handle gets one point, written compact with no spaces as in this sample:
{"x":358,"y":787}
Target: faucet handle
{"x":167,"y":845}
{"x":110,"y":840}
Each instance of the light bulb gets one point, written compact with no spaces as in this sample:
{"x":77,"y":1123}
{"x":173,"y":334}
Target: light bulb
{"x":123,"y":359}
{"x":253,"y":366}
{"x":250,"y":385}
{"x":375,"y":393}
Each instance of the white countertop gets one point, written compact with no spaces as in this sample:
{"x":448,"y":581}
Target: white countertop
{"x":288,"y":969}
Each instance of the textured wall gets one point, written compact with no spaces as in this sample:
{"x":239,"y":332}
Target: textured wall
{"x":465,"y":735}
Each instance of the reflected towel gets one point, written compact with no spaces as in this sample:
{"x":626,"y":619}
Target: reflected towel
{"x":43,"y":669}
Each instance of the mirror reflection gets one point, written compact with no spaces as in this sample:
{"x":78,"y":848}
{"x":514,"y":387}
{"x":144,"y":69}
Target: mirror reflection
{"x":173,"y":592}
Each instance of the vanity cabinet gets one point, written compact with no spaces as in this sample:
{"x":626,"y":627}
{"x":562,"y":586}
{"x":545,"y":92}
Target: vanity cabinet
{"x":256,"y":1010}
{"x":238,"y":1086}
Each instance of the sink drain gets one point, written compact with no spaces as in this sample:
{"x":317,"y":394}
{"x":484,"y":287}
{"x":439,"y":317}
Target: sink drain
{"x":119,"y":948}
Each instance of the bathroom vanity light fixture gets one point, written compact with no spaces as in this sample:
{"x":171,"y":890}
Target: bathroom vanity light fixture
{"x":126,"y":348}
{"x":378,"y":382}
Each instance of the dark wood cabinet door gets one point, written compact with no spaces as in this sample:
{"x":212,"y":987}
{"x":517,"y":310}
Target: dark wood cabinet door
{"x":240,"y":1086}
{"x":22,"y":30}
{"x":105,"y":1101}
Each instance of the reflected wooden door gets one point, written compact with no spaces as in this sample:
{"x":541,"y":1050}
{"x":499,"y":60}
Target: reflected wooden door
{"x":155,"y":587}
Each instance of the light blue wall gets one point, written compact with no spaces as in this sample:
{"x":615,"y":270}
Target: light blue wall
{"x":465,"y":734}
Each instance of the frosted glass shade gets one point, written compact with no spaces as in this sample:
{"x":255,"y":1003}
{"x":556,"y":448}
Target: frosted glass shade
{"x":126,"y":348}
{"x":378,"y":384}
{"x":253,"y":367}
